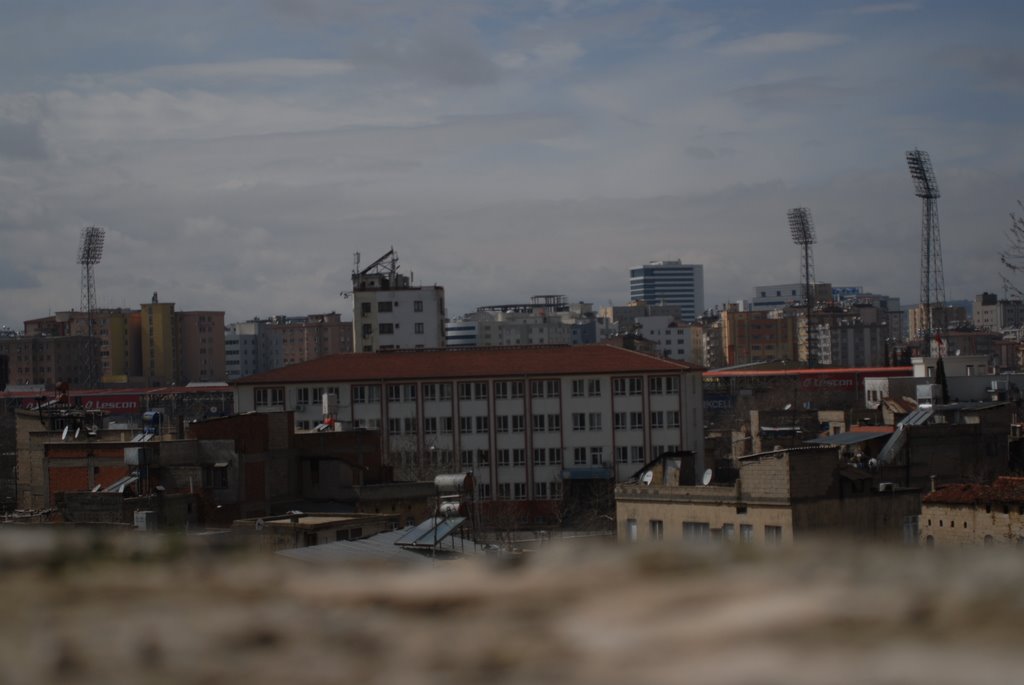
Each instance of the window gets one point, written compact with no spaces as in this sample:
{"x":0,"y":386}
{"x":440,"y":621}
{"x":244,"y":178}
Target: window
{"x":579,"y":421}
{"x":577,"y":388}
{"x":579,"y":456}
{"x":465,"y":391}
{"x":504,"y":491}
{"x":594,"y":387}
{"x":746,"y":532}
{"x":728,"y":532}
{"x":657,"y":529}
{"x":631,"y":533}
{"x":409,"y":392}
{"x":556,"y":489}
{"x":554,"y":422}
{"x":429,"y":392}
{"x":636,"y":454}
{"x":418,"y":328}
{"x":518,"y":457}
{"x":636,"y":385}
{"x":694,"y":531}
{"x":482,"y":424}
{"x":518,"y":423}
{"x":501,"y":424}
{"x":538,"y":423}
{"x":538,"y":456}
{"x":302,"y":395}
{"x":383,"y":306}
{"x":269,"y":397}
{"x":366,"y":307}
{"x":657,"y":419}
{"x":446,"y":424}
{"x":483,"y":458}
{"x":597,"y":456}
{"x":657,"y":385}
{"x":394,"y":393}
{"x":480,"y":391}
{"x":773,"y":535}
{"x":409,"y":425}
{"x":501,"y":390}
{"x":520,"y":490}
{"x":540,"y":490}
{"x":622,"y":454}
{"x":417,"y":306}
{"x":636,"y":420}
{"x":484,"y":490}
{"x":367,"y":330}
{"x":594,"y":420}
{"x":430,"y":424}
{"x":517,"y":389}
{"x":466,"y":459}
{"x":673,"y":419}
{"x":555,"y":456}
{"x":620,"y":420}
{"x":465,"y":424}
{"x":504,"y":457}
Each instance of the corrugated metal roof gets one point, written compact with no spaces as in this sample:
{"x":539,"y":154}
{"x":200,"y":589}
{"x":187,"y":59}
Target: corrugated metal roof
{"x":470,"y":363}
{"x":849,"y":438}
{"x":377,"y":548}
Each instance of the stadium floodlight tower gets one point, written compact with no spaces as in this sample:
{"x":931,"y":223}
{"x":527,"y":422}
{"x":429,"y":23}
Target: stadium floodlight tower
{"x":933,"y":285}
{"x":90,"y":251}
{"x":802,"y":228}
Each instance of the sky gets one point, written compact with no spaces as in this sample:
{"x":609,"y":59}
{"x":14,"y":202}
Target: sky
{"x":240,"y":153}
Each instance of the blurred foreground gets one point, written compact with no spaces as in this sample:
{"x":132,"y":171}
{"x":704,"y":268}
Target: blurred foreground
{"x":151,"y":609}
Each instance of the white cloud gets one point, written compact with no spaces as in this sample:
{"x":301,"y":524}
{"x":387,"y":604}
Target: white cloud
{"x":204,"y":73}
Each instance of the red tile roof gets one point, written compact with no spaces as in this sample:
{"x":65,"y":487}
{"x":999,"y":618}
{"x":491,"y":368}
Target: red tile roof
{"x":470,"y":363}
{"x":1005,"y":490}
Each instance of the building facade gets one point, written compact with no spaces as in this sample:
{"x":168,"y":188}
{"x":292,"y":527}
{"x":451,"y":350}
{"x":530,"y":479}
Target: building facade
{"x":389,"y":313}
{"x":974,"y":514}
{"x":523,"y":420}
{"x":670,"y":282}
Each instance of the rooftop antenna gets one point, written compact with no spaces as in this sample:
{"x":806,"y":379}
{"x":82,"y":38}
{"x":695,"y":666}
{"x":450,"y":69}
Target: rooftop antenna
{"x":90,"y":251}
{"x":802,"y":228}
{"x":933,"y":285}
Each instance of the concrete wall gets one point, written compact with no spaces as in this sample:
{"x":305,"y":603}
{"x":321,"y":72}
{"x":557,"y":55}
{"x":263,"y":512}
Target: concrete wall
{"x":971,"y":524}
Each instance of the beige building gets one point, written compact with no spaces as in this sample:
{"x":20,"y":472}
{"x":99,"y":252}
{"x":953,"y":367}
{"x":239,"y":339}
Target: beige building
{"x":974,"y":514}
{"x":42,"y":360}
{"x":768,"y":498}
{"x":118,"y":331}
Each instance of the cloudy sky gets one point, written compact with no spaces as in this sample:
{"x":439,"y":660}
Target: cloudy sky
{"x":239,"y":153}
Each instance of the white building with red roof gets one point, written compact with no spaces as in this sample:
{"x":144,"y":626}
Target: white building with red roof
{"x":523,"y":419}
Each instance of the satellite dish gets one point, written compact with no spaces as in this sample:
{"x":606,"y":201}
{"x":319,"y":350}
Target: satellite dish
{"x":259,"y":524}
{"x":647,"y":478}
{"x":64,"y":435}
{"x":787,"y":407}
{"x":77,"y":431}
{"x":708,"y":475}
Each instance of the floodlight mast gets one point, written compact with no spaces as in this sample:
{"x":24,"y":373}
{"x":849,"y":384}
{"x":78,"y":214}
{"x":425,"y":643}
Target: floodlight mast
{"x":801,"y":226}
{"x":933,"y":286}
{"x":90,"y":251}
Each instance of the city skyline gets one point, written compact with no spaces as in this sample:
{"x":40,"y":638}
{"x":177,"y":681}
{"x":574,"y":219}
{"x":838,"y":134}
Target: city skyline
{"x":239,"y":155}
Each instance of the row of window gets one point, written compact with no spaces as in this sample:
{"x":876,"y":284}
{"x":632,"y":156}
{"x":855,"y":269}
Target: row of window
{"x":478,"y":390}
{"x":388,"y":306}
{"x":700,"y":531}
{"x":516,"y":423}
{"x":541,"y":490}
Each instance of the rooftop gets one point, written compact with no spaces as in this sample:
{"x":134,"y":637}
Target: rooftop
{"x":470,"y":363}
{"x":1005,"y":490}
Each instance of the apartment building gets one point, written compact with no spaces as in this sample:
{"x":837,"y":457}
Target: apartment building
{"x":523,"y":420}
{"x":390,"y":313}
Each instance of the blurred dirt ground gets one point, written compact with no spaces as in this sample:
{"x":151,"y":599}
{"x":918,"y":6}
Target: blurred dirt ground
{"x":133,"y":608}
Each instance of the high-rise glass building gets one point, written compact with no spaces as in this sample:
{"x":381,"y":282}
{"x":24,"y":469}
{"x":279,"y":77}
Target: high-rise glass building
{"x":670,"y":282}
